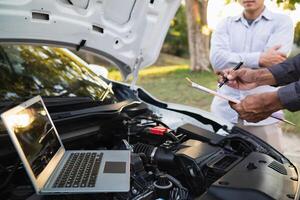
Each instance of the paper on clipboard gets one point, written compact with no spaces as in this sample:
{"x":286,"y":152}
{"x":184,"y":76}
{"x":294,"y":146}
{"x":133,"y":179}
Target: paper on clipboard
{"x":228,"y":98}
{"x":204,"y":89}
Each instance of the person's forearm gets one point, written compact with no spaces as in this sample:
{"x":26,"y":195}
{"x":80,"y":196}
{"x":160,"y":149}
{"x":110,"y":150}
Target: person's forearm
{"x":222,"y":59}
{"x":264,"y":77}
{"x":271,"y":102}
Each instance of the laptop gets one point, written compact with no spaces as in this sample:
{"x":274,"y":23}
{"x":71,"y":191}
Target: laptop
{"x":54,"y":170}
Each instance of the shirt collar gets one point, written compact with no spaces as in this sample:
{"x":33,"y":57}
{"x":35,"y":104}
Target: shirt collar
{"x":265,"y":14}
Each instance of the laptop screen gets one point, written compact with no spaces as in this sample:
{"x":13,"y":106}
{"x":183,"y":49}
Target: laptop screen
{"x":36,"y":135}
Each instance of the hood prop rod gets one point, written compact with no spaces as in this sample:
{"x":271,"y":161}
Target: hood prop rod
{"x":136,"y":70}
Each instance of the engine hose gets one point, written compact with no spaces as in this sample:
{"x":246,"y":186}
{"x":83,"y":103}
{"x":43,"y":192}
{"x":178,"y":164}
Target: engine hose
{"x":143,"y":148}
{"x":178,"y":192}
{"x":156,"y":155}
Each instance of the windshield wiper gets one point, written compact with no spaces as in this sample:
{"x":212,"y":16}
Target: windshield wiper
{"x":62,"y":101}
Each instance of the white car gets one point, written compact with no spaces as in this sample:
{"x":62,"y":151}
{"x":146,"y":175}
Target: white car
{"x":177,"y":152}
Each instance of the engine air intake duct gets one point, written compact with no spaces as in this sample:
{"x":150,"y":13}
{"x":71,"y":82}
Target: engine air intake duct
{"x":164,"y":158}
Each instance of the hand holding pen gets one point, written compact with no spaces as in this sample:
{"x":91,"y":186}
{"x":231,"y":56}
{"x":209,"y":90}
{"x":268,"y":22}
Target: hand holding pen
{"x":225,"y":79}
{"x":245,"y":78}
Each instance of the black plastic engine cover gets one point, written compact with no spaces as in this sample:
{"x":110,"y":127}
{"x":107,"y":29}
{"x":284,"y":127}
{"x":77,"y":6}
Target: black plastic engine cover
{"x":191,"y":159}
{"x":196,"y":150}
{"x":257,"y":177}
{"x":198,"y":133}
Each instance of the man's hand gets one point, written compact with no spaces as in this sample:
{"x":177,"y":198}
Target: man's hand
{"x":245,"y":78}
{"x":271,"y":57}
{"x":255,"y":108}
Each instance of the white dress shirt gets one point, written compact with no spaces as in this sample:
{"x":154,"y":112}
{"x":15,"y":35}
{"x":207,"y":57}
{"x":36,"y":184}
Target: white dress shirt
{"x":234,"y":40}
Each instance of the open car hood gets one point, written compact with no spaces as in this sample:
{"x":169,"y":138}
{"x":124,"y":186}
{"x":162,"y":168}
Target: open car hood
{"x":128,"y":32}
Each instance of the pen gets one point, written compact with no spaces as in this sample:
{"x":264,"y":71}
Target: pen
{"x":234,"y":69}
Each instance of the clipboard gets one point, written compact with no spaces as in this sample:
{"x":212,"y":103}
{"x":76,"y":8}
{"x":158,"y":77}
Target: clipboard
{"x":228,"y":98}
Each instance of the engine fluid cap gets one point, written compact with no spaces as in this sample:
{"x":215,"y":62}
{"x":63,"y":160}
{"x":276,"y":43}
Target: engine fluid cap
{"x":158,"y":130}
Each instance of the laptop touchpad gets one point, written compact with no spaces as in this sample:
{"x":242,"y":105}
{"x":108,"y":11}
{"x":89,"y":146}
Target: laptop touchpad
{"x":114,"y":167}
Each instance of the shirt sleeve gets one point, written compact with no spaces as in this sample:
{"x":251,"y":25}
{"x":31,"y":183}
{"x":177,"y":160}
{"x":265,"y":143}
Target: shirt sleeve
{"x":287,"y":71}
{"x":222,"y":57}
{"x":283,"y":34}
{"x":290,"y":96}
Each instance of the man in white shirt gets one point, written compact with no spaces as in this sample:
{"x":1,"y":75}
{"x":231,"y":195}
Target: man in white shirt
{"x":258,"y":38}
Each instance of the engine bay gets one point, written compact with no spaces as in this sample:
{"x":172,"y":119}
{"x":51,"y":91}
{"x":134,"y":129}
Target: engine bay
{"x":182,"y":161}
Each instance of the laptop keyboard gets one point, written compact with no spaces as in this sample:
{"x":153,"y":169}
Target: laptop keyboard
{"x":80,"y":170}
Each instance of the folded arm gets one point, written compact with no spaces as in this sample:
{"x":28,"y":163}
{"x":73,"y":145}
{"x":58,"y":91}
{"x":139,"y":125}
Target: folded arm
{"x":222,"y":56}
{"x":278,"y":46}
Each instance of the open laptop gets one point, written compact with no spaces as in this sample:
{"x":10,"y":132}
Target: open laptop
{"x":51,"y":168}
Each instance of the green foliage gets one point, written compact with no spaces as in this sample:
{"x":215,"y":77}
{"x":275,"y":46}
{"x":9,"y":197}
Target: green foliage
{"x":297,"y":34}
{"x":177,"y":90}
{"x":288,"y":4}
{"x":176,"y":42}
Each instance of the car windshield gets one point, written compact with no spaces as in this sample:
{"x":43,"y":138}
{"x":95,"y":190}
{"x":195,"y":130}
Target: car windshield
{"x":26,"y":71}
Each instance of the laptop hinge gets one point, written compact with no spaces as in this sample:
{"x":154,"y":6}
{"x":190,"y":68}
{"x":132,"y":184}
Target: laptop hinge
{"x":59,"y":163}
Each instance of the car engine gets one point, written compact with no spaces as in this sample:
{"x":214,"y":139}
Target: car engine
{"x":185,"y":162}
